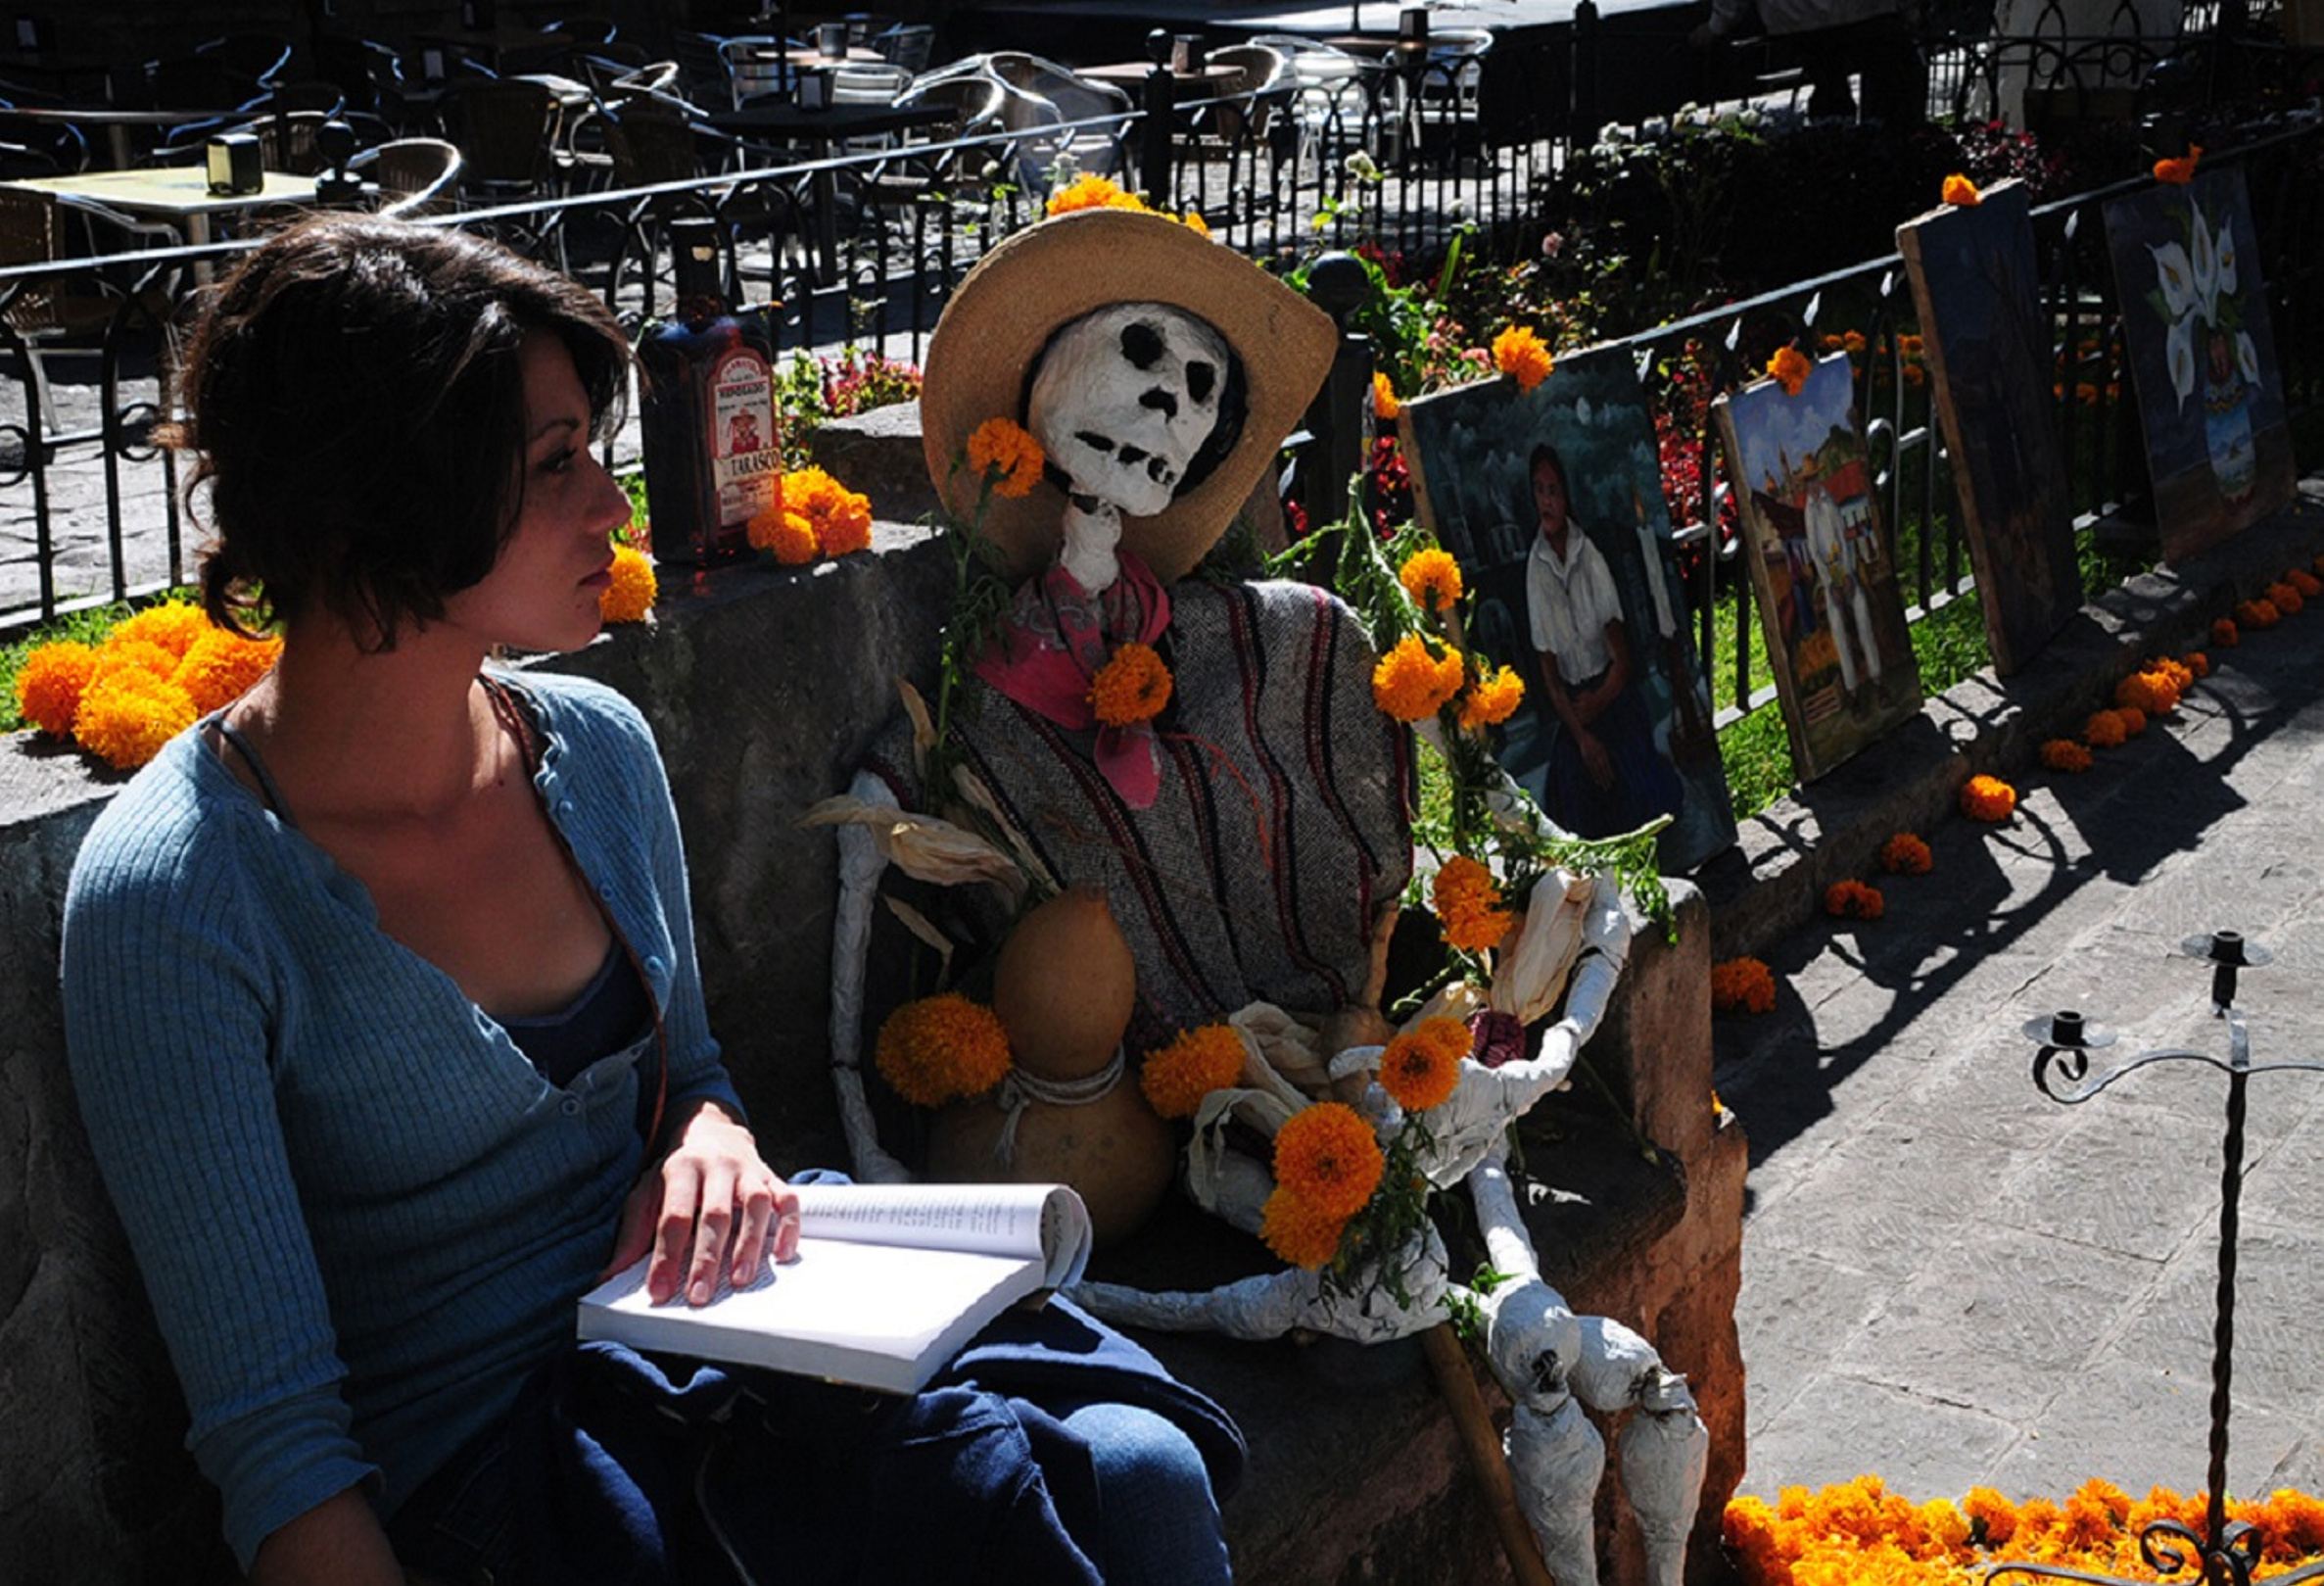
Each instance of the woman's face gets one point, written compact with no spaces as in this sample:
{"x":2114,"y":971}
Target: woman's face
{"x":1548,"y":496}
{"x":541,"y":594}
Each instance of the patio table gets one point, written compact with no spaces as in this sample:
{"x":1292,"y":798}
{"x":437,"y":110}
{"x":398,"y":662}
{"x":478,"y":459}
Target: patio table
{"x":177,"y":194}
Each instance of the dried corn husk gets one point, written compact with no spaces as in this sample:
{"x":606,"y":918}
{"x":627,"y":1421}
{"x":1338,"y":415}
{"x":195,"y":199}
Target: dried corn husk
{"x":924,"y":847}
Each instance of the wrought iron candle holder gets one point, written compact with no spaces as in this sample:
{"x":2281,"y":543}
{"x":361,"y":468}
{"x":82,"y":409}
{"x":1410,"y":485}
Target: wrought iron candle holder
{"x":2227,"y":1552}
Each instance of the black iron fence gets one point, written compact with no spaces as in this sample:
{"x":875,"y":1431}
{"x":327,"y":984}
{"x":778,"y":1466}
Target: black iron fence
{"x":863,"y":249}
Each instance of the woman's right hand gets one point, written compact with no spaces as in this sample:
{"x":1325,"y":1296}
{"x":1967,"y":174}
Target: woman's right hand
{"x":1596,"y":760}
{"x":339,"y":1542}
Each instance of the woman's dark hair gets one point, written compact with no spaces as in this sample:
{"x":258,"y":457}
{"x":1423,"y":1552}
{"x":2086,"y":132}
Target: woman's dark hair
{"x":1543,"y":452}
{"x":355,"y":404}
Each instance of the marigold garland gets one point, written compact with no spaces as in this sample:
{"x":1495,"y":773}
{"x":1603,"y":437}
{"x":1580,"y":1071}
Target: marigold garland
{"x":1988,"y":798}
{"x":1299,"y":1231}
{"x":2224,"y":634}
{"x":1006,"y":453}
{"x":2307,"y":583}
{"x":1789,"y":368}
{"x":1421,"y":1068}
{"x":1962,"y":193}
{"x":1860,"y":1534}
{"x":1853,"y":900}
{"x":2133,"y":719}
{"x":2258,"y":613}
{"x":2285,"y":599}
{"x":632,"y":594}
{"x":2066,"y":755}
{"x":2151,"y":692}
{"x":2197,"y":664}
{"x":1432,"y":578}
{"x":1521,"y":355}
{"x":126,"y":715}
{"x":1328,"y":1158}
{"x":1177,"y":1076}
{"x":1491,"y":700}
{"x":1742,"y":986}
{"x":49,"y":685}
{"x":1468,"y":905}
{"x":2104,"y":730}
{"x":1385,"y":405}
{"x":1132,"y":686}
{"x":941,"y":1048}
{"x":218,"y":667}
{"x":1411,"y":684}
{"x":1905,"y":854}
{"x":2179,"y":169}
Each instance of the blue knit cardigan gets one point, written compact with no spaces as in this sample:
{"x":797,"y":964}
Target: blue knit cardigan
{"x":363,"y":1216}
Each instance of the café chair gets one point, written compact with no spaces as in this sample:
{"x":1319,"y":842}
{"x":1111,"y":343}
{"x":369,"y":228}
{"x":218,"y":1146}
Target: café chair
{"x":260,"y":57}
{"x":1243,"y":106}
{"x":506,"y":132}
{"x":753,"y":65}
{"x":369,"y":73}
{"x":71,"y":312}
{"x":415,"y":176}
{"x":42,"y":147}
{"x":907,"y":44}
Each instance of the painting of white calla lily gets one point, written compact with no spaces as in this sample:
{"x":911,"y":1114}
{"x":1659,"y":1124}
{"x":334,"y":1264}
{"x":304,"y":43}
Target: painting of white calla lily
{"x":2203,"y":362}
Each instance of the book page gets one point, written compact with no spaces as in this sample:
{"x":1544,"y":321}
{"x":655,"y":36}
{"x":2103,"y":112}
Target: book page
{"x":1047,"y":1222}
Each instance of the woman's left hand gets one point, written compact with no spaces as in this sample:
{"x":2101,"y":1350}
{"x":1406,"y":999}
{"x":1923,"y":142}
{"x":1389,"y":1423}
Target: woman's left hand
{"x":710,"y":1202}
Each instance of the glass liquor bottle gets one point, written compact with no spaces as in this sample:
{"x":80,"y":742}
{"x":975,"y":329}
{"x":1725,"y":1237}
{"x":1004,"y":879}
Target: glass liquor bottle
{"x":713,"y":454}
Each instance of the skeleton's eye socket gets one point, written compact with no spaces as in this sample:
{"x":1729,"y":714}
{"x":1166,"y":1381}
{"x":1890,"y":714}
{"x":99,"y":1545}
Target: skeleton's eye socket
{"x":1141,"y":343}
{"x":1093,"y":440}
{"x":1201,"y":380}
{"x":1547,"y":1377}
{"x":1161,"y":401}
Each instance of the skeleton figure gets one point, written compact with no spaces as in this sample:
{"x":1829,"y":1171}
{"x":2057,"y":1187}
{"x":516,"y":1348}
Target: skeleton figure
{"x":1124,"y":403}
{"x":1551,"y":1362}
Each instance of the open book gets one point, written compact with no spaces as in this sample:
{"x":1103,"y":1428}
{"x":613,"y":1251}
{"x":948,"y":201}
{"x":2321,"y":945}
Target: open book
{"x":890,"y":1282}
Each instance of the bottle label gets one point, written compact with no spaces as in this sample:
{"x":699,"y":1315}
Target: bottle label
{"x":745,"y":457}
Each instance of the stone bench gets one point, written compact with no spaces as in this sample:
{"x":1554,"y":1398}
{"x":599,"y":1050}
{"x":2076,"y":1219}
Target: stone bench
{"x":763,"y":687}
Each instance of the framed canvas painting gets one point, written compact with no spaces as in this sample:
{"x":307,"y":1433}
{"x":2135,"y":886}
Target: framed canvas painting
{"x":1821,"y":567}
{"x":2202,"y":360}
{"x":1552,"y":502}
{"x":1987,"y":342}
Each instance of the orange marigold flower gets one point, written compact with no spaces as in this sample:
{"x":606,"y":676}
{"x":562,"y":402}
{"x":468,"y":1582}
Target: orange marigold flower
{"x":118,"y":654}
{"x":2065,"y":754}
{"x":2225,"y":635}
{"x":2258,"y":613}
{"x":2181,"y":675}
{"x":1993,"y":1516}
{"x":1468,"y":904}
{"x":1959,"y":191}
{"x":126,"y":715}
{"x":2133,"y":719}
{"x":1299,"y":1231}
{"x":1853,"y":900}
{"x":174,"y":625}
{"x":1176,"y":1078}
{"x":2180,"y":170}
{"x":1988,"y":798}
{"x":1905,"y":854}
{"x":1522,"y":355}
{"x":1385,"y":406}
{"x":1432,"y":578}
{"x":941,"y":1048}
{"x":1001,"y":448}
{"x":50,"y":682}
{"x":1742,"y":986}
{"x":842,"y":518}
{"x":1853,"y":341}
{"x":2198,"y":663}
{"x":2285,"y":599}
{"x":1411,"y":684}
{"x":2307,"y":583}
{"x":1491,"y":700}
{"x":630,"y":595}
{"x":1421,"y":1067}
{"x":786,"y":531}
{"x":2104,"y":730}
{"x":1131,"y":687}
{"x":1328,"y":1157}
{"x":2150,"y":691}
{"x":1193,"y":220}
{"x":219,"y":668}
{"x":1789,"y":368}
{"x":1091,"y":191}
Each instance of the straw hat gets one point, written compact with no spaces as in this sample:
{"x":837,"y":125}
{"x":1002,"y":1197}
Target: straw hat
{"x":980,"y":360}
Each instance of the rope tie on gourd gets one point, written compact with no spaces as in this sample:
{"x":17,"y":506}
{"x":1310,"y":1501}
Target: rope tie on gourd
{"x":1019,"y":1090}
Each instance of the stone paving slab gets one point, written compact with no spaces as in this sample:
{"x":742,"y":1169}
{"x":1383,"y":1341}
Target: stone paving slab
{"x":1948,"y":1279}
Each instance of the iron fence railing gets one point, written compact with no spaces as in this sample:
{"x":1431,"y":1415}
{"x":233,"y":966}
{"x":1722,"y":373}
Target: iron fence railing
{"x":863,"y":249}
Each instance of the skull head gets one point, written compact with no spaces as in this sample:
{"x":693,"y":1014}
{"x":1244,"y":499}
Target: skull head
{"x":1124,"y":398}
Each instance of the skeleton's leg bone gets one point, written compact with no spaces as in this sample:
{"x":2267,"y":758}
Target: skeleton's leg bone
{"x":859,"y":868}
{"x":1666,"y":1450}
{"x":1558,"y":1458}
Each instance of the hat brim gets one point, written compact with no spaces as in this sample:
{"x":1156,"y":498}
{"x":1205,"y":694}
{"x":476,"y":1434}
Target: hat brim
{"x":1046,"y":277}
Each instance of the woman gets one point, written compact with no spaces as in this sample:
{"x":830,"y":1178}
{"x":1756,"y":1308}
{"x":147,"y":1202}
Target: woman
{"x":1605,"y":776}
{"x":382,"y":1002}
